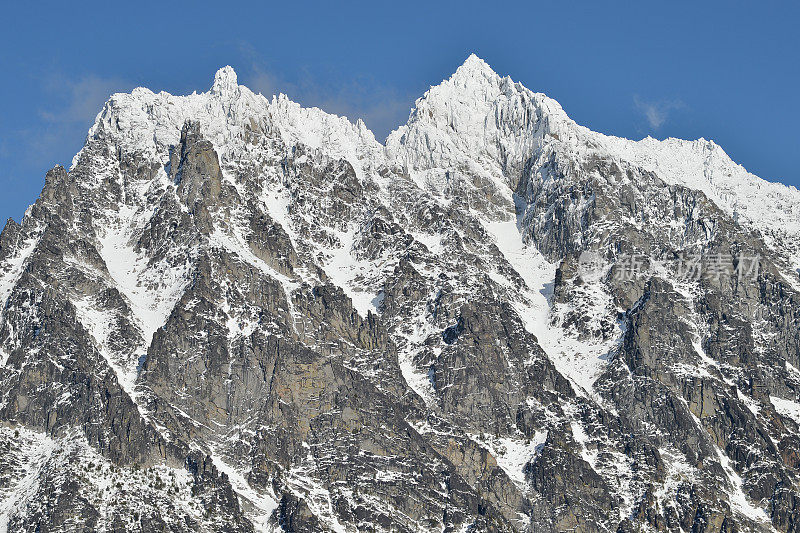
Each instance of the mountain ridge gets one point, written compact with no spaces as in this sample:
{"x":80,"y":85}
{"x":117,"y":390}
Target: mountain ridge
{"x":675,"y":160}
{"x":252,"y":316}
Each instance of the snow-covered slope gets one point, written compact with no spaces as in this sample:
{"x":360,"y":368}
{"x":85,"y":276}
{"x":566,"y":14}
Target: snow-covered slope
{"x":149,"y":124}
{"x":275,"y":318}
{"x":487,"y":124}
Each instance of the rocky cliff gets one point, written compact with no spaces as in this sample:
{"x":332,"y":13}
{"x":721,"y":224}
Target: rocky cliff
{"x":236,"y":314}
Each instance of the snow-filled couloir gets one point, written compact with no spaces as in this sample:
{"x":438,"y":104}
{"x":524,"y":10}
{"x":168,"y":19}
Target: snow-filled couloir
{"x":260,"y":311}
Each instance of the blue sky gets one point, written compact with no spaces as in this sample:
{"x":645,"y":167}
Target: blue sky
{"x":728,"y":71}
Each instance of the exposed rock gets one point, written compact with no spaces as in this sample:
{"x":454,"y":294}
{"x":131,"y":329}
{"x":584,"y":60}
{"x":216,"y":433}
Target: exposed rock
{"x":235,"y":314}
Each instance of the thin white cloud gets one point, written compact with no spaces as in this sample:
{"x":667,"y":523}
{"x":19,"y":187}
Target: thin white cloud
{"x":79,"y":100}
{"x":266,"y":83}
{"x":656,"y":112}
{"x":57,"y":133}
{"x":380,"y":106}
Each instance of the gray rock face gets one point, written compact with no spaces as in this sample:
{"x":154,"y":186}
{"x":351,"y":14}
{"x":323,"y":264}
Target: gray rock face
{"x":236,"y":314}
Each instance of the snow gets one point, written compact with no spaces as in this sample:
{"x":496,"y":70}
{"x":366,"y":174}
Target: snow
{"x":336,"y":136}
{"x":13,"y":267}
{"x":151,"y":293}
{"x":736,"y":496}
{"x":233,"y":243}
{"x":98,"y":324}
{"x":490,"y":126}
{"x":703,"y":165}
{"x":343,"y":269}
{"x":11,"y":270}
{"x":410,"y":338}
{"x":37,"y":449}
{"x":276,"y":200}
{"x":301,"y":480}
{"x":35,"y":456}
{"x":581,"y":361}
{"x":787,"y":408}
{"x":431,"y":241}
{"x":475,"y":122}
{"x":257,"y":506}
{"x":580,"y":436}
{"x":225,"y":82}
{"x":149,"y":124}
{"x":476,"y":119}
{"x":676,"y":471}
{"x":513,"y":453}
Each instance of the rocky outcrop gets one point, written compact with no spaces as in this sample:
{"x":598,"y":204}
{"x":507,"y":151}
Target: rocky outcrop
{"x":236,"y":314}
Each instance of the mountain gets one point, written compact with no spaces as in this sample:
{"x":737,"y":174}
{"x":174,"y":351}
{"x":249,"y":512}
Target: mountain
{"x":234,"y":313}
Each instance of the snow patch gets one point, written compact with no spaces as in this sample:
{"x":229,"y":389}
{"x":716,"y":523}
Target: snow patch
{"x":580,"y":361}
{"x":257,"y":506}
{"x":736,"y":496}
{"x":787,"y":408}
{"x":13,"y":267}
{"x":343,"y":269}
{"x":151,"y":293}
{"x":99,"y":325}
{"x":513,"y":453}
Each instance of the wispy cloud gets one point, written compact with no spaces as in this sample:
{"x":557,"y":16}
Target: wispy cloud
{"x":53,"y":133}
{"x":78,"y":100}
{"x":382,"y":107}
{"x":58,"y":129}
{"x":656,"y":112}
{"x":71,"y":106}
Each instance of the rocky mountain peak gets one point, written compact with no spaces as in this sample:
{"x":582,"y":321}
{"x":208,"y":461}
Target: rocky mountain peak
{"x":225,"y":81}
{"x":474,"y":69}
{"x":478,"y":116}
{"x":235,"y":313}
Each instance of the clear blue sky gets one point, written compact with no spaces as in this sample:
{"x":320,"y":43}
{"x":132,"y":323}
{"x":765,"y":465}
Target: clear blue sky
{"x":728,"y":71}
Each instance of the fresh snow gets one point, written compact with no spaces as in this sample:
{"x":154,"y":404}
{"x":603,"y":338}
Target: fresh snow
{"x":475,"y":118}
{"x":410,"y":337}
{"x":233,"y":243}
{"x":787,"y":408}
{"x":37,"y":456}
{"x":38,"y":448}
{"x":736,"y":495}
{"x":677,"y":471}
{"x":98,"y":324}
{"x":257,"y":506}
{"x":581,"y":361}
{"x":475,"y":122}
{"x":513,"y":453}
{"x":492,"y":126}
{"x":343,"y":270}
{"x":316,"y":496}
{"x":13,"y":267}
{"x":703,"y":165}
{"x":151,"y":294}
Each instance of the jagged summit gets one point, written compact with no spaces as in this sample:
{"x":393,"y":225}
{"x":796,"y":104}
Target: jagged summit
{"x":475,"y":116}
{"x":225,"y":81}
{"x":473,"y":69}
{"x":235,"y":313}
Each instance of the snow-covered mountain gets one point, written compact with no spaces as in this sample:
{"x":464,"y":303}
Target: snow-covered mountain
{"x":234,"y":313}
